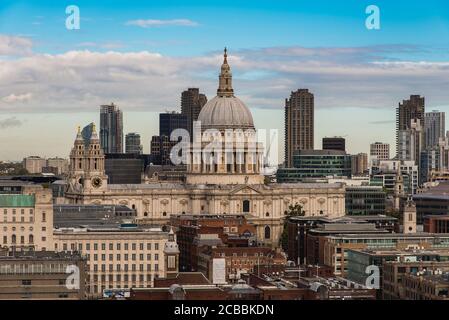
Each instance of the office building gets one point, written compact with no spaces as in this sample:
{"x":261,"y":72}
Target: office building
{"x":379,"y":151}
{"x":27,"y":217}
{"x":413,"y":279}
{"x":429,"y":164}
{"x":365,"y":200}
{"x":434,"y":128}
{"x":192,"y":101}
{"x":119,"y":255}
{"x":334,"y":143}
{"x":132,"y":143}
{"x":123,"y":168}
{"x":384,"y":174}
{"x":298,"y":229}
{"x":34,"y":164}
{"x":170,"y":121}
{"x":433,"y":201}
{"x":316,"y":164}
{"x":299,"y":123}
{"x":111,"y":129}
{"x":411,"y":142}
{"x":408,"y":110}
{"x":42,"y":275}
{"x":335,"y":247}
{"x":359,"y":164}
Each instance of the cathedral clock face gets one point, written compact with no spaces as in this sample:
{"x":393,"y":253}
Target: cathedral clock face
{"x":96,"y":182}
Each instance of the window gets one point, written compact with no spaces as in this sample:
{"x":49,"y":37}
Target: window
{"x":26,"y":282}
{"x":30,"y":238}
{"x":13,"y":239}
{"x":44,"y":217}
{"x":171,"y":262}
{"x":246,"y":205}
{"x":267,"y":232}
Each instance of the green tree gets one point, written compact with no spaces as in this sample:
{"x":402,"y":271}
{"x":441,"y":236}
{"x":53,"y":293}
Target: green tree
{"x":294,"y":210}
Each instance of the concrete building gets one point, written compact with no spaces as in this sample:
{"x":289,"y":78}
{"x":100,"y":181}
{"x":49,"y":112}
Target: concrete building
{"x":192,"y":101}
{"x":411,"y":142}
{"x":118,"y":256}
{"x":385,"y":174}
{"x":111,"y":129}
{"x":34,"y":164}
{"x":408,"y":110}
{"x":434,"y":128}
{"x":299,"y":123}
{"x":132,"y":143}
{"x":359,"y":164}
{"x":61,"y":165}
{"x":361,"y":260}
{"x":298,"y":229}
{"x":27,"y":218}
{"x":379,"y":151}
{"x":334,"y":143}
{"x":42,"y":275}
{"x":432,"y":201}
{"x":415,"y":280}
{"x":335,"y":247}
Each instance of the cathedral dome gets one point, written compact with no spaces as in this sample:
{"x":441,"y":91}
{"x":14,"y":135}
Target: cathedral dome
{"x":225,"y":111}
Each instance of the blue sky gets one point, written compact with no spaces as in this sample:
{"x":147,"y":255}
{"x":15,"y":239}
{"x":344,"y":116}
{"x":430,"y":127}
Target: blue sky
{"x":358,"y":75}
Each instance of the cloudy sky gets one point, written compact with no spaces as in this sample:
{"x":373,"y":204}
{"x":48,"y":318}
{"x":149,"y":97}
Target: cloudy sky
{"x":143,"y":54}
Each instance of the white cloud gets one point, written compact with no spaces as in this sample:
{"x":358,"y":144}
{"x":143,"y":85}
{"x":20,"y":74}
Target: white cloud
{"x":263,"y":78}
{"x":13,"y":98}
{"x":13,"y":46}
{"x":152,"y":23}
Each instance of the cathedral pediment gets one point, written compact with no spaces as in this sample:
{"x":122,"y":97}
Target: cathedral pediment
{"x":245,"y":190}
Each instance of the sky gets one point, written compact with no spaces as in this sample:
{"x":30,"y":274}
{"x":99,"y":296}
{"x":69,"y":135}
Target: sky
{"x":142,"y":54}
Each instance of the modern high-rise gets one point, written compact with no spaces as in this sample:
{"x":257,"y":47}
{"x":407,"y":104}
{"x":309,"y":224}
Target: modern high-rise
{"x":299,"y":128}
{"x":170,"y":121}
{"x":434,"y":127}
{"x":379,"y":151}
{"x":411,"y":142}
{"x":406,"y":112}
{"x":111,"y":129}
{"x":132,"y":143}
{"x":334,"y":143}
{"x":192,"y":101}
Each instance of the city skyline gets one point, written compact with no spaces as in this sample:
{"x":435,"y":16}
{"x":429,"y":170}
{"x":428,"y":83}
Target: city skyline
{"x":358,"y":76}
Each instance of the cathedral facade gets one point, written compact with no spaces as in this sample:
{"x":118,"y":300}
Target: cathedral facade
{"x":235,"y":186}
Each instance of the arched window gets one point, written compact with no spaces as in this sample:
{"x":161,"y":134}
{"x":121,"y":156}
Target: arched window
{"x":246,"y":205}
{"x":13,"y":239}
{"x":164,"y":214}
{"x":267,"y":232}
{"x":145,"y":214}
{"x":30,"y":239}
{"x":267,"y":214}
